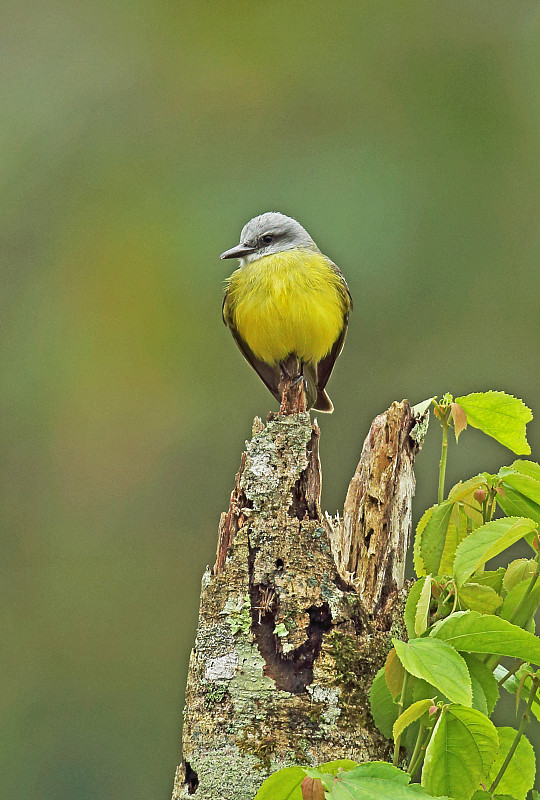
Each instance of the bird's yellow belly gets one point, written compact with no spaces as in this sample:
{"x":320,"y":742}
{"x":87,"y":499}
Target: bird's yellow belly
{"x":291,"y":302}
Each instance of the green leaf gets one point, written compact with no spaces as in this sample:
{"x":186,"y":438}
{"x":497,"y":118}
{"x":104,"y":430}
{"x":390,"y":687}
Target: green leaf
{"x":371,"y":781}
{"x":524,"y":484}
{"x":410,"y":715}
{"x":460,"y":752}
{"x":282,"y":785}
{"x":491,"y":578}
{"x":443,"y":667}
{"x":458,"y":528}
{"x":514,"y":598}
{"x":285,"y":784}
{"x":421,"y":618}
{"x":514,"y":503}
{"x":409,"y":615}
{"x":500,"y":416}
{"x":488,"y":541}
{"x":519,"y":774}
{"x":394,"y":673}
{"x":472,"y":632}
{"x":431,"y":531}
{"x":521,"y":569}
{"x":479,"y":672}
{"x":527,"y":468}
{"x":383,"y":709}
{"x":333,"y":767}
{"x":479,"y":598}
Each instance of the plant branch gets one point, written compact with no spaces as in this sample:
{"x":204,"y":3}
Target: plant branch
{"x":444,"y":453}
{"x":525,"y":718}
{"x":418,"y":752}
{"x":400,"y":711}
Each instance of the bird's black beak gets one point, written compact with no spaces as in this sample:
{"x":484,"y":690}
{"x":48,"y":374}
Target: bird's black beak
{"x":239,"y":251}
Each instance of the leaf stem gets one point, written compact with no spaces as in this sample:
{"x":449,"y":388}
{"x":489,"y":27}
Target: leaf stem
{"x":400,"y":711}
{"x":510,"y":672}
{"x":444,"y":453}
{"x":418,"y":752}
{"x":519,"y":734}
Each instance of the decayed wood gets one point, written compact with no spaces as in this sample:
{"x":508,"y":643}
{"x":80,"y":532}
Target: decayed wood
{"x":286,"y":648}
{"x":370,"y":542}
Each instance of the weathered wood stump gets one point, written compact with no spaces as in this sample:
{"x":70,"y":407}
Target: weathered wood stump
{"x":296,"y":616}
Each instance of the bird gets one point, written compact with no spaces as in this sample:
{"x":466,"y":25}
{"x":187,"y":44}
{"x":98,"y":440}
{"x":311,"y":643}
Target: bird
{"x":286,"y":299}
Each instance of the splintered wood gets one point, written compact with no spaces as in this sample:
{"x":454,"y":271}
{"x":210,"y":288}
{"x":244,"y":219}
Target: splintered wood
{"x":370,"y":542}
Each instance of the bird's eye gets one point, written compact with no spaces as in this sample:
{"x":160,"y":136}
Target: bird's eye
{"x":267,"y":238}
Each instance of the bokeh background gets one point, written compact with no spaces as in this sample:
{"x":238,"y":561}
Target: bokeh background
{"x":136,"y":139}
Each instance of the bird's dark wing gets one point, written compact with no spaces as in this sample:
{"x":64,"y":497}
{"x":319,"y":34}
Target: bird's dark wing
{"x":269,"y":374}
{"x":326,"y":364}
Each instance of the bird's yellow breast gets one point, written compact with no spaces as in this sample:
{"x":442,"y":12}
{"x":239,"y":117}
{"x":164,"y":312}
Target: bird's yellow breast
{"x":288,"y":302}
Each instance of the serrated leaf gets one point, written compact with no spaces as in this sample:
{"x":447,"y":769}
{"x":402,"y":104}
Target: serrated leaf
{"x":383,"y":709}
{"x":514,"y":598}
{"x":513,"y":503}
{"x":479,"y":598}
{"x":491,"y":578}
{"x":431,"y":531}
{"x":282,"y":785}
{"x":499,"y":415}
{"x":524,"y":484}
{"x":459,"y":417}
{"x":472,"y":632}
{"x":456,"y":532}
{"x":485,"y":678}
{"x":443,"y":667}
{"x":460,"y":752}
{"x":371,"y":781}
{"x":409,"y":614}
{"x":333,"y":767}
{"x":421,"y":618}
{"x":521,"y":569}
{"x":410,"y":715}
{"x":519,"y":775}
{"x":394,"y":673}
{"x":531,"y":468}
{"x":486,"y":542}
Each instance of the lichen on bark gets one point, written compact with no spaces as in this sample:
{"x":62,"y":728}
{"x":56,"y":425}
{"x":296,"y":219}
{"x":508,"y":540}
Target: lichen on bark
{"x":286,"y":648}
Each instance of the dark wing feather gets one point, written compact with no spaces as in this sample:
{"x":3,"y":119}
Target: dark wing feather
{"x":326,"y":364}
{"x":269,"y":374}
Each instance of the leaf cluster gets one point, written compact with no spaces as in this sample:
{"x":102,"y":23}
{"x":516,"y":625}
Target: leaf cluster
{"x":471,"y":633}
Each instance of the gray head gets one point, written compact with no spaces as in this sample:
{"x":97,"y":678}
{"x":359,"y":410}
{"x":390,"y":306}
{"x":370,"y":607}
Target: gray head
{"x":269,"y":233}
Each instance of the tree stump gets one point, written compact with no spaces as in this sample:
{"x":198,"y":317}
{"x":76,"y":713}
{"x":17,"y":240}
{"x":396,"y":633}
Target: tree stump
{"x":297,"y":614}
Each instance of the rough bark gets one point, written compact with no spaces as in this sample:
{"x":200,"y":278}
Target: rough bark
{"x":296,"y":616}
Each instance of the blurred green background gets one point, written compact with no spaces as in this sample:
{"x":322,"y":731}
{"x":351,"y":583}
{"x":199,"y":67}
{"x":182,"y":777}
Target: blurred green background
{"x":136,"y":140}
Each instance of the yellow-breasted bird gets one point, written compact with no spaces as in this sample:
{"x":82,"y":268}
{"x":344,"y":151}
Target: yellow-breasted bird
{"x":286,"y":299}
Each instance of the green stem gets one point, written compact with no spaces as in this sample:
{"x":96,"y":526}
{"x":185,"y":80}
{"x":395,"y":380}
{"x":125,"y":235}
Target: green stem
{"x":510,"y":672}
{"x":444,"y":453}
{"x":400,"y":711}
{"x":519,"y":734}
{"x":418,"y":752}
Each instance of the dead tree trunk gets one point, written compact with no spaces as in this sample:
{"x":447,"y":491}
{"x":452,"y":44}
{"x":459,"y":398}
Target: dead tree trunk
{"x":297,"y":614}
